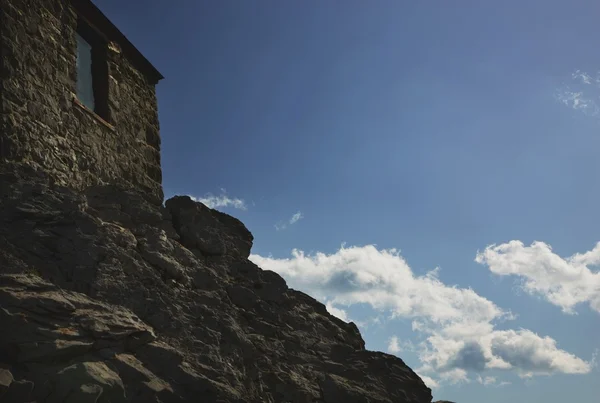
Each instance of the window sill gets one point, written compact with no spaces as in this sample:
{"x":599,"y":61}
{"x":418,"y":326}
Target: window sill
{"x":98,"y":118}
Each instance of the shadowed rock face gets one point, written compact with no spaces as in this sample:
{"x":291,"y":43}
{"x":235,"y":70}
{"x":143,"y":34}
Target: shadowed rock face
{"x":106,"y":297}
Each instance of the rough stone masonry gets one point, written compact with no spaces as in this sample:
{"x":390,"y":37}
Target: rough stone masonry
{"x":43,"y":124}
{"x":106,"y":294}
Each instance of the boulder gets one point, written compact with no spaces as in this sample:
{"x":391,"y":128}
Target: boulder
{"x":209,"y":231}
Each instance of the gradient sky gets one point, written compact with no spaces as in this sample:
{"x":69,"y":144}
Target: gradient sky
{"x":428,"y":169}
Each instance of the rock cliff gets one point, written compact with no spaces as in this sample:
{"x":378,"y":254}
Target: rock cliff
{"x":105,"y":297}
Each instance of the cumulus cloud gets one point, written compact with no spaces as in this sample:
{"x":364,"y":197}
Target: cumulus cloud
{"x":337,"y":312}
{"x":531,"y":354}
{"x":457,"y":326}
{"x":429,"y":381}
{"x":221,"y":201}
{"x":455,"y":376}
{"x":470,"y":356}
{"x":393,"y":346}
{"x":382,"y":279}
{"x":281,"y":225}
{"x":564,"y":282}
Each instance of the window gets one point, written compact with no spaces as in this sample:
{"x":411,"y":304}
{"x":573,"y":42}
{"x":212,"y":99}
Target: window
{"x":92,"y":70}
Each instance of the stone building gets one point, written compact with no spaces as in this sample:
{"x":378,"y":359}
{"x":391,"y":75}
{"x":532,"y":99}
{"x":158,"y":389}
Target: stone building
{"x":77,"y":99}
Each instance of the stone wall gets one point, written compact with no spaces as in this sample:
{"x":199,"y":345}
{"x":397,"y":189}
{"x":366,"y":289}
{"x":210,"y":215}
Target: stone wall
{"x":43,"y":126}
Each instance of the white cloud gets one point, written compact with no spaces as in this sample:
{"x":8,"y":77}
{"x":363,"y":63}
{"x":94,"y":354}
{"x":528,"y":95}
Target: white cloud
{"x":455,"y":376}
{"x":531,"y":354}
{"x":393,"y":346}
{"x":382,"y":279}
{"x":457,"y":324}
{"x":378,"y":320}
{"x":582,"y":94}
{"x":296,"y":217}
{"x":594,"y":360}
{"x":488,"y":380}
{"x":582,"y":76}
{"x":491,"y":381}
{"x":564,"y":282}
{"x":337,"y":312}
{"x":292,"y":220}
{"x":577,"y":101}
{"x":220,"y":201}
{"x":429,"y":381}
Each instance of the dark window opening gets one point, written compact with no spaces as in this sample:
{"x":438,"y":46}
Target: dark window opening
{"x":92,"y":70}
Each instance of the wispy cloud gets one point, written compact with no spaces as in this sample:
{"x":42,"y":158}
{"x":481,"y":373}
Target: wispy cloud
{"x":221,"y":201}
{"x":577,"y":101}
{"x":584,"y":77}
{"x":582,"y":93}
{"x":456,"y":325}
{"x":488,"y":380}
{"x":281,"y":225}
{"x":378,"y":320}
{"x":491,"y":381}
{"x":564,"y":282}
{"x":594,"y":361}
{"x":296,"y":217}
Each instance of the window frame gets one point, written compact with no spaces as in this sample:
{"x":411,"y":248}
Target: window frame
{"x":99,"y":67}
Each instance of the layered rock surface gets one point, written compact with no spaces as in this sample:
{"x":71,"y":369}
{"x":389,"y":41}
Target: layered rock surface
{"x":105,"y":297}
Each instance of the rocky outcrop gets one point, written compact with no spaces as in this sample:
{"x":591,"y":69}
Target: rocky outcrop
{"x":208,"y":232}
{"x":106,"y":297}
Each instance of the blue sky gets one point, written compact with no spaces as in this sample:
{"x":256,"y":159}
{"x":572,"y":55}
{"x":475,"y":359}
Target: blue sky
{"x":427,"y":169}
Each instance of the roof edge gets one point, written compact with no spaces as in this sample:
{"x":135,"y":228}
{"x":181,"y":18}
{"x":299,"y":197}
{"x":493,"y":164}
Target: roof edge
{"x":92,"y":13}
